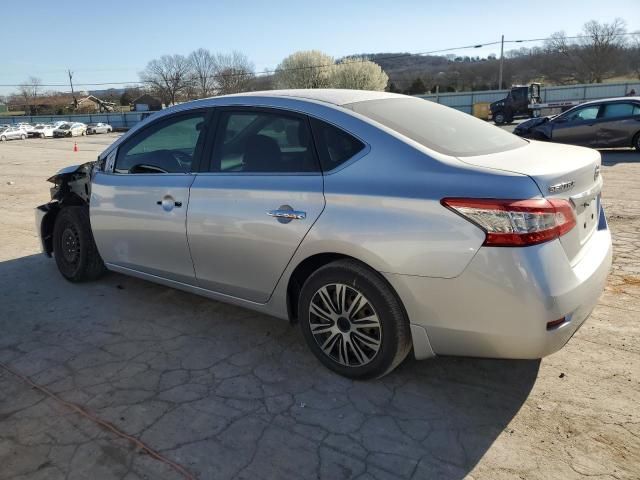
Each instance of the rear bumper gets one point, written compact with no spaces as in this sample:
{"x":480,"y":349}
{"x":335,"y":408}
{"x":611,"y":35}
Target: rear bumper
{"x":500,"y":305}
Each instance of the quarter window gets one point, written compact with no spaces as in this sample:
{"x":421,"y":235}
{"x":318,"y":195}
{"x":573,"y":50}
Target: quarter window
{"x":170,"y":147}
{"x":335,"y":146}
{"x":268,"y":142}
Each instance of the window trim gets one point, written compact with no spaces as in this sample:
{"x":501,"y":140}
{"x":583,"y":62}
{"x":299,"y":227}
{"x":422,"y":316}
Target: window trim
{"x":207,"y":163}
{"x":158,"y":124}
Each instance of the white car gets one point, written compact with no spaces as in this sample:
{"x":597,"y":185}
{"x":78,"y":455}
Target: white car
{"x":12,"y":133}
{"x":70,"y":130}
{"x":27,"y":127}
{"x":42,"y":131}
{"x":99,"y":128}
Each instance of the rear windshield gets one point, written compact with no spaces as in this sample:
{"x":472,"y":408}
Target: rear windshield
{"x":437,"y":127}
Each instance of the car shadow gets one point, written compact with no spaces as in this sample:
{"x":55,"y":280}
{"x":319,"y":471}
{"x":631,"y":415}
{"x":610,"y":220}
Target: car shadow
{"x":98,"y":344}
{"x":613,"y":157}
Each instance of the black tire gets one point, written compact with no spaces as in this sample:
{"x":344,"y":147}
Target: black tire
{"x":3,"y":138}
{"x":394,"y":333}
{"x":73,"y":246}
{"x":499,"y":118}
{"x":23,"y":137}
{"x":636,"y":141}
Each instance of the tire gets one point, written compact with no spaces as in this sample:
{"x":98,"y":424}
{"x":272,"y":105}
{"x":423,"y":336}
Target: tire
{"x":358,"y":353}
{"x":3,"y":138}
{"x":636,"y":142}
{"x":499,"y":118}
{"x":23,"y":137}
{"x":74,"y":249}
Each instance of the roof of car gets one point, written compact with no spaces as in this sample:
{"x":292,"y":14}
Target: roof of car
{"x":612,"y":99}
{"x":334,"y":96}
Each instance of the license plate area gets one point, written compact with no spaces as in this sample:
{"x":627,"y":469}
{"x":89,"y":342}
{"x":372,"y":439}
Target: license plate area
{"x":587,"y":216}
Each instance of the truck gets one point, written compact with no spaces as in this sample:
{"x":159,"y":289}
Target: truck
{"x":524,"y":101}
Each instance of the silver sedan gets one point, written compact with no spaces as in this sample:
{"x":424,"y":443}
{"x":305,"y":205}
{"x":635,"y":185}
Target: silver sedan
{"x":382,"y":224}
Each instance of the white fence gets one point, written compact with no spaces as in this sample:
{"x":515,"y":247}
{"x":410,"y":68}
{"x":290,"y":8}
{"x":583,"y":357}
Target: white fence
{"x":464,"y":101}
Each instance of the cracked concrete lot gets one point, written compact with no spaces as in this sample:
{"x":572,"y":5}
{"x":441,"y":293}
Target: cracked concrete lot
{"x":123,"y":379}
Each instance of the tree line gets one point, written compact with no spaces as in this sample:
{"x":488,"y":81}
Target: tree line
{"x":601,"y":51}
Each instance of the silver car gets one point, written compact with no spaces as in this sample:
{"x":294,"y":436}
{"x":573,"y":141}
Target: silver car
{"x":381,"y":223}
{"x":12,"y":133}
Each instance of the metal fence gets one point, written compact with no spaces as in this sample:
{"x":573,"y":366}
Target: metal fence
{"x":122,"y":121}
{"x":464,"y":101}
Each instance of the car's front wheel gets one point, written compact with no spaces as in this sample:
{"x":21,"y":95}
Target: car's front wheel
{"x":3,"y":138}
{"x":74,"y":249}
{"x":636,"y":141}
{"x":352,"y":321}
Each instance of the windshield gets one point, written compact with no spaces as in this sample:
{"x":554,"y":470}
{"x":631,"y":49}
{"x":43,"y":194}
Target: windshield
{"x":64,"y":126}
{"x":437,"y":127}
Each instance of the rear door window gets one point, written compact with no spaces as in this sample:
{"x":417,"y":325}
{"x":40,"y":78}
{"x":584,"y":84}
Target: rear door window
{"x":617,"y":110}
{"x":263,"y":141}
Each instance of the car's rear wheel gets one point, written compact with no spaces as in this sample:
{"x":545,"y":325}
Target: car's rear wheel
{"x":636,"y":141}
{"x":73,"y":246}
{"x":3,"y":138}
{"x":498,"y":118}
{"x":352,"y":321}
{"x":23,"y":137}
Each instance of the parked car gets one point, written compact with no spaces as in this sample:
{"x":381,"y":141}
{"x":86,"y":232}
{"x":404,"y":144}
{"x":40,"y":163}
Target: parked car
{"x":27,"y":127}
{"x":42,"y":131}
{"x":12,"y":133}
{"x":99,"y":128}
{"x":380,"y":223}
{"x":70,"y":130}
{"x":609,"y":123}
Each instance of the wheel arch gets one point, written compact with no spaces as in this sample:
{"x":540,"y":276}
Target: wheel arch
{"x":310,"y":264}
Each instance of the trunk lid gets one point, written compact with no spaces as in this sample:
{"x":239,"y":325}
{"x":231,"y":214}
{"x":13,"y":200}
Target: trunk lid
{"x":560,"y":171}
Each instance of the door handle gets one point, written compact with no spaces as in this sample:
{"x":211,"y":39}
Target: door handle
{"x":167,"y":203}
{"x":288,"y":214}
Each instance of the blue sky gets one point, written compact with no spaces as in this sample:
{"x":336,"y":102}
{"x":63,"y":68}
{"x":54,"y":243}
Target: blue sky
{"x":112,"y":41}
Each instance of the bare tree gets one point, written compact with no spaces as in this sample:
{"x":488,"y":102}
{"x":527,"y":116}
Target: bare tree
{"x":234,"y":73}
{"x":593,"y":57}
{"x":360,"y":74}
{"x":168,"y":75}
{"x":203,"y":70}
{"x":29,"y":92}
{"x":305,"y":69}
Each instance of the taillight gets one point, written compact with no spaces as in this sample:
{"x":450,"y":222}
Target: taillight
{"x":516,"y":223}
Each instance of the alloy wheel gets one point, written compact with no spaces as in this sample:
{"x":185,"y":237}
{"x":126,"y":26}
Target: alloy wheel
{"x":345,"y":325}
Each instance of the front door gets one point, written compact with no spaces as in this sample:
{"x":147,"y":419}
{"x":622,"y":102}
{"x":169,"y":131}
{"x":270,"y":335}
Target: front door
{"x":251,"y":209}
{"x":577,"y":126}
{"x":139,"y":208}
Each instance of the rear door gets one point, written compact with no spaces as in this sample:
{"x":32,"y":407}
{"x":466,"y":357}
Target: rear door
{"x":139,"y":204}
{"x":577,"y":126}
{"x":256,"y":200}
{"x":618,"y":123}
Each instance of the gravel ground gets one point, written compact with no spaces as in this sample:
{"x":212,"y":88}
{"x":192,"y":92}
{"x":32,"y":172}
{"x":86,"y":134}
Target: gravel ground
{"x":126,"y":379}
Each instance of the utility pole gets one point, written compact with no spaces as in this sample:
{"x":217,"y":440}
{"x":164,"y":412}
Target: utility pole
{"x":75,"y":102}
{"x":501,"y":63}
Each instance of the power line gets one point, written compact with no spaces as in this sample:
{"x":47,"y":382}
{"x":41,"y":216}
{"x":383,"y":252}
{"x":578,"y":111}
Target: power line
{"x":344,"y":62}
